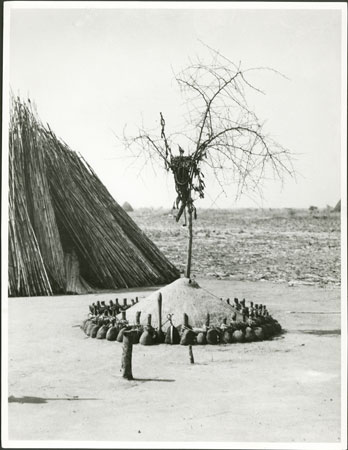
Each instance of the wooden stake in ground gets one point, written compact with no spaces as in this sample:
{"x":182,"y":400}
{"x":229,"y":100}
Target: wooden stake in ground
{"x":127,"y":355}
{"x":190,"y":238}
{"x":160,"y":334}
{"x":192,"y":361}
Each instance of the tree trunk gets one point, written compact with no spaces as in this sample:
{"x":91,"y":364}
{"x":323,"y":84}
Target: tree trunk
{"x":127,"y":355}
{"x":189,"y":249}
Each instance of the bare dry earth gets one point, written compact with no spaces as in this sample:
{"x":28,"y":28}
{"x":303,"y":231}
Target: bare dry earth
{"x":66,"y":386}
{"x":279,"y":245}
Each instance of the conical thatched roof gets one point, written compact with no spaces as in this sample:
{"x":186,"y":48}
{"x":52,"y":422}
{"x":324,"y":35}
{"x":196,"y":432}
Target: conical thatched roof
{"x":127,"y":207}
{"x":183,"y":296}
{"x":337,"y":208}
{"x":66,"y":232}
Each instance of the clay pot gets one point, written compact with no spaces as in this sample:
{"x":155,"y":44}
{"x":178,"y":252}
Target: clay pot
{"x":188,"y":337}
{"x":102,"y":332}
{"x":159,"y":337}
{"x":227,"y":337}
{"x":250,"y":322}
{"x":85,"y":324}
{"x":212,"y":336}
{"x":238,"y":336}
{"x":94,"y":331}
{"x":268,"y":330}
{"x":112,"y":333}
{"x":241,"y":326}
{"x":120,"y":334}
{"x":249,"y":335}
{"x":89,"y":327}
{"x":172,"y":336}
{"x":146,"y":337}
{"x":136,"y":335}
{"x":233,"y":327}
{"x":277,"y":326}
{"x":259,"y":334}
{"x":202,"y":338}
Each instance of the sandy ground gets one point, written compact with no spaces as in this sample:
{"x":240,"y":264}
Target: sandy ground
{"x":285,"y":390}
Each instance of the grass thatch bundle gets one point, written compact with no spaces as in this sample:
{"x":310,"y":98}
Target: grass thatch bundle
{"x":66,"y":232}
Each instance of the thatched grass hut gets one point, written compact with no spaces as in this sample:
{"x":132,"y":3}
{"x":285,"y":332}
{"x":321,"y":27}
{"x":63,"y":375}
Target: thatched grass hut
{"x":66,"y":232}
{"x":337,"y":208}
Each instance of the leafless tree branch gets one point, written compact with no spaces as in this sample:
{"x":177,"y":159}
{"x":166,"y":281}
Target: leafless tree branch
{"x":223,"y":133}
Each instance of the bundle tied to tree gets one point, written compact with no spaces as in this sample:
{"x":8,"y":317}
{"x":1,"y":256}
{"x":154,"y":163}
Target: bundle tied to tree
{"x":185,"y":169}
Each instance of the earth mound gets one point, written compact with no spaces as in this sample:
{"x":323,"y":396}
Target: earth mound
{"x":183,"y":296}
{"x":190,"y":315}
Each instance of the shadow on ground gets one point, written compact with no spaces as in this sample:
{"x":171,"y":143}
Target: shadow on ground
{"x":29,"y":399}
{"x":335,"y":332}
{"x":166,"y":380}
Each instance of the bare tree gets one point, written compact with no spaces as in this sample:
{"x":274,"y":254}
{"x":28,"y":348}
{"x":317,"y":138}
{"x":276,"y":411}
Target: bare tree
{"x":222,"y":132}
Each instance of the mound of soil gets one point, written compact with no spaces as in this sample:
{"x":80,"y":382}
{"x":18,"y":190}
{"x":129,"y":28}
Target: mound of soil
{"x":183,"y":296}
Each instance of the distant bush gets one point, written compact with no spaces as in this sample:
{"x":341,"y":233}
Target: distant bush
{"x":313,"y":209}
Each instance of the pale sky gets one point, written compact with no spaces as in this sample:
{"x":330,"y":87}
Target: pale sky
{"x":93,"y":71}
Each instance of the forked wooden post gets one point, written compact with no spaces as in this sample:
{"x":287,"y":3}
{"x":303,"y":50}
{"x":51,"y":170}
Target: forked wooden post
{"x":159,"y":304}
{"x":127,"y":355}
{"x":189,"y":249}
{"x":192,"y":361}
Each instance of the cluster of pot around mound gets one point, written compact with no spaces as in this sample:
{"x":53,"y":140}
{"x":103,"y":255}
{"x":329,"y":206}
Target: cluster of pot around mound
{"x":256,"y":325}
